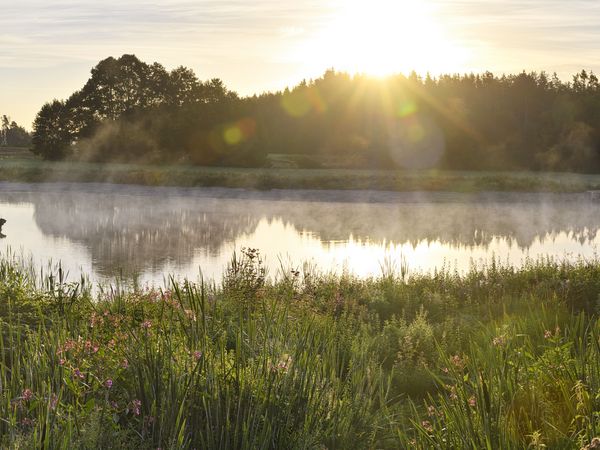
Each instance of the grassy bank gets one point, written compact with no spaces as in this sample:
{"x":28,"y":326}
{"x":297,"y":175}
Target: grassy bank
{"x":15,"y":167}
{"x":498,"y":358}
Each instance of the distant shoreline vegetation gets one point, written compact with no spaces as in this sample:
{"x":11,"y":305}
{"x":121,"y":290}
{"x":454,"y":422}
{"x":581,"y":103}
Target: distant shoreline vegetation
{"x":133,"y":112}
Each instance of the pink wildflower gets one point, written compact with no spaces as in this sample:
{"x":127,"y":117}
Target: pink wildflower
{"x":472,"y":402}
{"x":27,"y":395}
{"x":108,"y":383}
{"x":452,"y":390}
{"x":427,"y":426}
{"x":125,"y":364}
{"x":197,"y":355}
{"x":27,"y":422}
{"x":136,"y":404}
{"x":458,"y":362}
{"x":146,"y":324}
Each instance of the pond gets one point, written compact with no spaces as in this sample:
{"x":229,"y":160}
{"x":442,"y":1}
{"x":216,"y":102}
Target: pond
{"x":144,"y":234}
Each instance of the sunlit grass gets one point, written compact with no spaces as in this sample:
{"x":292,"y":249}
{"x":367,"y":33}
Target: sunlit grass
{"x":497,"y":358}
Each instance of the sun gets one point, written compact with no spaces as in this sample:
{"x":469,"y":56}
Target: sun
{"x":381,"y":37}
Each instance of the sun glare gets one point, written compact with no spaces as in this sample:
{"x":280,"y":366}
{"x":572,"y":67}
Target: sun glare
{"x":381,"y":37}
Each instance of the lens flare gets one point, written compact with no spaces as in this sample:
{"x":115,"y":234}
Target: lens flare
{"x":302,"y":101}
{"x":239,"y":132}
{"x":416,"y":142}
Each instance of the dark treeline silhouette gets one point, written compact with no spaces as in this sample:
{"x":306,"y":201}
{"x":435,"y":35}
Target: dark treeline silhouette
{"x":137,"y":112}
{"x":12,"y":134}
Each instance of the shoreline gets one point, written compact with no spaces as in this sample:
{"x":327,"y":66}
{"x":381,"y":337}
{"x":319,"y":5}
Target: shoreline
{"x":268,"y":179}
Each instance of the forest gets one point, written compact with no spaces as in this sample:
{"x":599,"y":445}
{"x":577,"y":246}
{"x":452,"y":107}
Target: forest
{"x":131,"y":111}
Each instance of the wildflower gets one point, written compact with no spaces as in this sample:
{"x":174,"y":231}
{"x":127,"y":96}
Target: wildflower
{"x":472,"y":402}
{"x":53,"y":401}
{"x":458,"y":362}
{"x":78,"y":373}
{"x":427,"y":426}
{"x":499,"y":341}
{"x":285,"y":363}
{"x":125,"y":364}
{"x":431,"y":411}
{"x":452,"y":390}
{"x":547,"y":334}
{"x":108,"y":383}
{"x":27,"y":422}
{"x":68,"y":345}
{"x":593,"y":445}
{"x":61,"y":362}
{"x":197,"y":355}
{"x":146,"y":324}
{"x":136,"y":407}
{"x":27,"y":395}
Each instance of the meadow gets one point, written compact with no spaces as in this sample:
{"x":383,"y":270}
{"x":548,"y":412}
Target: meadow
{"x":495,"y":358}
{"x":19,"y":165}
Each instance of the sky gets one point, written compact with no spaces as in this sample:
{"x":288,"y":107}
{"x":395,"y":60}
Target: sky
{"x":47,"y":47}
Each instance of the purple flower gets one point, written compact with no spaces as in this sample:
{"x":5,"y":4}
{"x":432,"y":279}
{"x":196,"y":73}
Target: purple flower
{"x":108,"y":383}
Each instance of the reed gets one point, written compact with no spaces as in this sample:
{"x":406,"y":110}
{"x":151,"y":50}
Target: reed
{"x":497,"y":358}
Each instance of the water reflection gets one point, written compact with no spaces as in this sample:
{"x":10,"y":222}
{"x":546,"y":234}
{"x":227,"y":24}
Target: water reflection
{"x":113,"y":231}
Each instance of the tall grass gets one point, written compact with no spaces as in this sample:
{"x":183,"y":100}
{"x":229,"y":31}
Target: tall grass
{"x":498,"y":358}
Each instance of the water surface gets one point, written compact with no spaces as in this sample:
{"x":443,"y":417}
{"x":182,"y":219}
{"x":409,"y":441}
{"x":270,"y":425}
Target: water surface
{"x":109,"y":231}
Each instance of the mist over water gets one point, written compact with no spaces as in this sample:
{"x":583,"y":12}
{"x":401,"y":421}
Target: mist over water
{"x":128,"y":232}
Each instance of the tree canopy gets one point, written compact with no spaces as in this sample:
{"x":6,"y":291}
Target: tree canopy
{"x":129,"y":110}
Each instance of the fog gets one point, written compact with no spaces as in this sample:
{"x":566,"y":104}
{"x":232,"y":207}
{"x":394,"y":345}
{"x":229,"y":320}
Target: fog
{"x":109,"y":231}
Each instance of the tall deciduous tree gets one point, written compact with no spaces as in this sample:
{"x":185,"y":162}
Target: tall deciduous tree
{"x":51,"y":134}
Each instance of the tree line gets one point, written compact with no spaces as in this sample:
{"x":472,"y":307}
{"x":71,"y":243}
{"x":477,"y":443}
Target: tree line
{"x":12,"y":134}
{"x":131,"y":111}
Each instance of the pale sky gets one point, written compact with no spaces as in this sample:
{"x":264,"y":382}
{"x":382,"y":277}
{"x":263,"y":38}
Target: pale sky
{"x":47,"y":47}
